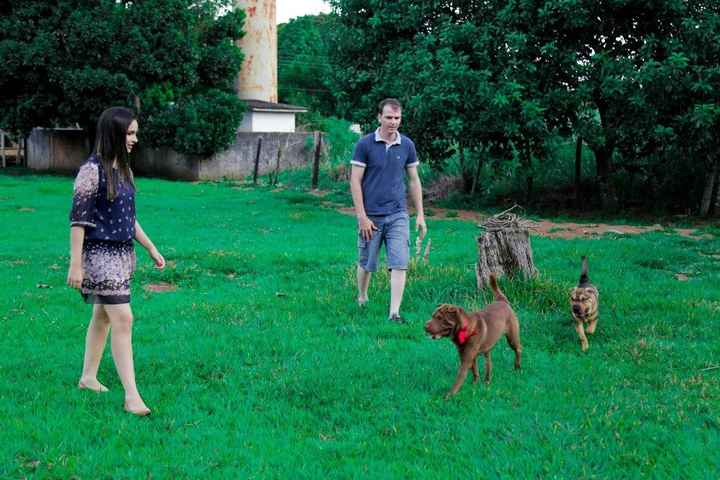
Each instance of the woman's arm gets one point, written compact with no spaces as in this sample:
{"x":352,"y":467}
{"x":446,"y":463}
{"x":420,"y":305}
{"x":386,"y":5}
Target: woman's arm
{"x":145,"y":241}
{"x":75,"y":272}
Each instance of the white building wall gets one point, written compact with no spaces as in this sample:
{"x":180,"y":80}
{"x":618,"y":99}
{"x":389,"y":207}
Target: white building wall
{"x":273,"y":122}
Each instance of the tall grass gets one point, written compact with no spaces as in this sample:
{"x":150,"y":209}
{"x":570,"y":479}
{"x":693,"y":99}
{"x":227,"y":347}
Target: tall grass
{"x":260,"y":365}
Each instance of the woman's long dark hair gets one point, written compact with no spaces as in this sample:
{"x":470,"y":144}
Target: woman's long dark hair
{"x":110,"y":145}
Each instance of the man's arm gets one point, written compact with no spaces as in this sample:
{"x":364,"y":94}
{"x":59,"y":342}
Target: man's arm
{"x":415,"y":188}
{"x":365,"y":225}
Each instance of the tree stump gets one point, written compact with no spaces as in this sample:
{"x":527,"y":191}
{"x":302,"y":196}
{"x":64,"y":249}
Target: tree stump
{"x":504,"y":248}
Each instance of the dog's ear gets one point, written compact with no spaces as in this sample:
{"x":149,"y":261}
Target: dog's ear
{"x":452,"y":313}
{"x":591,"y":290}
{"x":457,"y":315}
{"x":572,"y":291}
{"x":441,"y":308}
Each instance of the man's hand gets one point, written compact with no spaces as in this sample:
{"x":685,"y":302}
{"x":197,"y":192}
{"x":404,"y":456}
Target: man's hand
{"x":366,"y":227}
{"x":420,"y":226}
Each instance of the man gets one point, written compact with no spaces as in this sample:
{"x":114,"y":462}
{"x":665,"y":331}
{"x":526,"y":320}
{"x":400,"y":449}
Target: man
{"x":377,"y":182}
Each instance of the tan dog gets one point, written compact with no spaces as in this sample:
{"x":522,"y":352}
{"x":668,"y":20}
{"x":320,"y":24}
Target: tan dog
{"x":584,"y":300}
{"x":476,"y":332}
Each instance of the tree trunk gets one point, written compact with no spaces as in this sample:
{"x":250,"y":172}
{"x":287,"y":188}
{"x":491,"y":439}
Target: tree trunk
{"x":715,"y":205}
{"x":716,"y":209}
{"x":466,"y":172}
{"x":603,"y":158}
{"x":529,"y":188}
{"x":711,"y":180}
{"x":529,"y":179}
{"x":476,"y":176}
{"x":578,"y":172}
{"x":608,"y":196}
{"x":504,"y":249}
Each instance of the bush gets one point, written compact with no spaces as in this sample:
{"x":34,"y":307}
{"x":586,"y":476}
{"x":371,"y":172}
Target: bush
{"x":340,"y":140}
{"x":200,"y":124}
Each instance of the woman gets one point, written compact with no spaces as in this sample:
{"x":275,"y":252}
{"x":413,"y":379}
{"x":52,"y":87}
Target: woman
{"x":102,"y":256}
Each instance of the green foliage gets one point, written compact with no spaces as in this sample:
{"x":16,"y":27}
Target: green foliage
{"x":196,"y":124}
{"x":303,"y":66}
{"x":445,"y":62}
{"x":340,"y":140}
{"x":262,"y":364}
{"x":494,"y":82}
{"x":67,"y":61}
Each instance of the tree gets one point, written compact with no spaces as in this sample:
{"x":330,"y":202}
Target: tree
{"x":498,"y":79}
{"x":687,"y":78}
{"x":466,"y":89}
{"x":303,"y":64}
{"x":604,"y":45}
{"x":66,"y":61}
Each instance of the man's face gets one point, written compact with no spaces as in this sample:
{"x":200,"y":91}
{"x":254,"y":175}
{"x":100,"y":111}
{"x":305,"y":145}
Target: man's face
{"x":390,"y":120}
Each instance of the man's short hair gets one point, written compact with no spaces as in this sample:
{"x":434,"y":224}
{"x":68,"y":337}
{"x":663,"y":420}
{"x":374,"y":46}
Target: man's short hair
{"x":393,"y":102}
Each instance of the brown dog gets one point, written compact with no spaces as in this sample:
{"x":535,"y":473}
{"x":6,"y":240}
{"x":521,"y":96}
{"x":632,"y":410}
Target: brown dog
{"x":584,"y":300}
{"x":476,"y":332}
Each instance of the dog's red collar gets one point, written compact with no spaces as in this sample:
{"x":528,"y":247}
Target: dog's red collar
{"x":462,"y":335}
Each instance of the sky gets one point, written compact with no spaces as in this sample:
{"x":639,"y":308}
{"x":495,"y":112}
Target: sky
{"x":287,"y":9}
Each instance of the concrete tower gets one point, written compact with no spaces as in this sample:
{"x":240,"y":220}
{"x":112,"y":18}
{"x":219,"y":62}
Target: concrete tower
{"x":258,"y":77}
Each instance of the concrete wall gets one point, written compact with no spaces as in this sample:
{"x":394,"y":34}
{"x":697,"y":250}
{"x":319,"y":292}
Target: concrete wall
{"x":165,"y":163}
{"x":257,"y":79}
{"x":237,"y":162}
{"x":59,"y":150}
{"x":66,"y":150}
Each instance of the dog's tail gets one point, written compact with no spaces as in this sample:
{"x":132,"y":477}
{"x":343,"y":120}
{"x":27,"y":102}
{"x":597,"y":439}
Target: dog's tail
{"x":584,"y":273}
{"x":499,"y":295}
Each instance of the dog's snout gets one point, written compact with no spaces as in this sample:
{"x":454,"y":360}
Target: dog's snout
{"x":576,"y":309}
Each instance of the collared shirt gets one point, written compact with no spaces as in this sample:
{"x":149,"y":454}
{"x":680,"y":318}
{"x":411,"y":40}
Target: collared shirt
{"x":397,"y":141}
{"x":383,"y":183}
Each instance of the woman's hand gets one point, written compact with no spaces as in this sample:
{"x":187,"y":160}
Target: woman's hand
{"x":75,"y":276}
{"x":157,"y":258}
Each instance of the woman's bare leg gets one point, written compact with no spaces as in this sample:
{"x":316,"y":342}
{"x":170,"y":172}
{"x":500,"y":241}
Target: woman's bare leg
{"x":94,"y":346}
{"x":121,"y":320}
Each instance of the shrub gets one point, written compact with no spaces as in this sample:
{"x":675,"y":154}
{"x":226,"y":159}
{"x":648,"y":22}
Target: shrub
{"x":200,"y":124}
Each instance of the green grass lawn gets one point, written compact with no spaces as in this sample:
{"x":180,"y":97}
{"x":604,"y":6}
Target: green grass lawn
{"x":260,"y":365}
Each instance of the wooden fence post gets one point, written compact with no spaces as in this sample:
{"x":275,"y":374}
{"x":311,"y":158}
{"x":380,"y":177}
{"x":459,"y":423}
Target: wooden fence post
{"x":276,"y":173}
{"x":316,"y":162}
{"x":257,"y":160}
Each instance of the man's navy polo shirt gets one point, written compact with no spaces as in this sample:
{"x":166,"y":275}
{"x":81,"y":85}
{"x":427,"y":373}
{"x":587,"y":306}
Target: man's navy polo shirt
{"x":383,"y":183}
